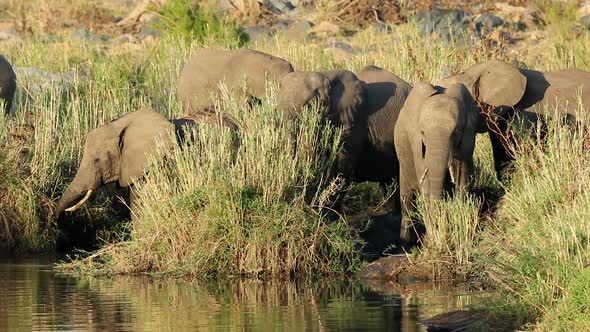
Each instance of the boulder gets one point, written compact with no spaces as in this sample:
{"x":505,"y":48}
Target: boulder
{"x":487,"y":22}
{"x":36,"y":80}
{"x":85,"y":35}
{"x":522,"y":17}
{"x":299,"y":29}
{"x":258,"y":33}
{"x":445,"y":24}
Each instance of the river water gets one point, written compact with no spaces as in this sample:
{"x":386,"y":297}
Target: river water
{"x":35,"y":298}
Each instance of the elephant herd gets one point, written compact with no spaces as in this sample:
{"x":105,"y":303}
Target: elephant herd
{"x":421,"y":138}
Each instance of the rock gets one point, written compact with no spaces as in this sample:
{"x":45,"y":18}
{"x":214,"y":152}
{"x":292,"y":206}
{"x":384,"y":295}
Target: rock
{"x":116,"y":18}
{"x":125,"y":39}
{"x":8,"y":34}
{"x":584,"y":22}
{"x":342,"y":46}
{"x":381,"y":27}
{"x":446,"y":24}
{"x":36,"y":80}
{"x":326,"y":28}
{"x":299,"y":29}
{"x":279,"y":7}
{"x":283,"y":24}
{"x":487,"y":22}
{"x":520,"y":16}
{"x":85,"y":35}
{"x":257,"y":33}
{"x":147,"y":32}
{"x":80,"y":34}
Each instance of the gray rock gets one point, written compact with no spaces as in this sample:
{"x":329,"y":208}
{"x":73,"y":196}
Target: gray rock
{"x":585,"y":21}
{"x":85,"y":35}
{"x":342,"y":46}
{"x":125,"y":39}
{"x":487,"y":22}
{"x":146,"y":32}
{"x":283,"y":24}
{"x":116,"y":18}
{"x":80,"y":34}
{"x":299,"y":29}
{"x":279,"y":6}
{"x":8,"y":34}
{"x":257,"y":33}
{"x":381,"y":27}
{"x":35,"y":80}
{"x":446,"y":24}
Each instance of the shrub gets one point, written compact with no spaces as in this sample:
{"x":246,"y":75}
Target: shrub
{"x":187,"y":20}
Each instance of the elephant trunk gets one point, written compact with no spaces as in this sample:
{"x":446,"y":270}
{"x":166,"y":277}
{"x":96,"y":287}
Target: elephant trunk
{"x":76,"y":194}
{"x":437,"y":163}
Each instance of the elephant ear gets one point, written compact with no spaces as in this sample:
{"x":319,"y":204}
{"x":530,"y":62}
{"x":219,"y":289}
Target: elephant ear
{"x":140,"y":139}
{"x":418,"y":95}
{"x":497,"y":83}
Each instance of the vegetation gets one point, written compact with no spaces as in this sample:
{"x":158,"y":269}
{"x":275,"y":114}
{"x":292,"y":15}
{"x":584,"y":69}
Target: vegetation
{"x":210,"y":211}
{"x":188,"y":20}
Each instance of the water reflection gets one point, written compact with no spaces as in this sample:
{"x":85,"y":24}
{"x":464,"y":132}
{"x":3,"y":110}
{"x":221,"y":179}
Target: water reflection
{"x":32,"y":297}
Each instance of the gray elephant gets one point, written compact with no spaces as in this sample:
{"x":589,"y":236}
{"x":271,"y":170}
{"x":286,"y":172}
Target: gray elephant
{"x":513,"y":92}
{"x":386,"y":94}
{"x":435,"y":140}
{"x":372,"y":140}
{"x":202,"y":73}
{"x":115,"y":152}
{"x":7,"y":83}
{"x":342,"y":98}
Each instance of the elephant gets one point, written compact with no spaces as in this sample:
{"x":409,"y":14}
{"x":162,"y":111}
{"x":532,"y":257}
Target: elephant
{"x":202,"y":73}
{"x":372,"y":141}
{"x":7,"y":84}
{"x":115,"y":152}
{"x":435,"y":141}
{"x":515,"y":92}
{"x":386,"y":94}
{"x":342,"y":99}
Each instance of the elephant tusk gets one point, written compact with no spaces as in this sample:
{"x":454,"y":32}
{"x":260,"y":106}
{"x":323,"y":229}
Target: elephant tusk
{"x":452,"y":174}
{"x":423,"y":175}
{"x":86,"y":197}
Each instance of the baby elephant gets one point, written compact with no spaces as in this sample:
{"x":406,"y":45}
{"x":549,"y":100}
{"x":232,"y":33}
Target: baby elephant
{"x":201,"y":75}
{"x":7,"y":83}
{"x":435,"y":140}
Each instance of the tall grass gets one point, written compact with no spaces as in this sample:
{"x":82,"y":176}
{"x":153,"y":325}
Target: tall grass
{"x":205,"y":209}
{"x":539,"y":249}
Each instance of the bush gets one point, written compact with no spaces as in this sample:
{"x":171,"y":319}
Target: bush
{"x":187,"y":20}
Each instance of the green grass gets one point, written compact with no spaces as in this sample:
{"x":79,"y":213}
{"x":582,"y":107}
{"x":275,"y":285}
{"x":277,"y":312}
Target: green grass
{"x":187,"y":20}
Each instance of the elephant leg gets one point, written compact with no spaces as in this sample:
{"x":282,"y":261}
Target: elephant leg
{"x":502,"y":140}
{"x":407,"y":205}
{"x":352,"y":147}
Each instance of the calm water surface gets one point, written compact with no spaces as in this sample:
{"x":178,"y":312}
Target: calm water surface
{"x":34,"y":298}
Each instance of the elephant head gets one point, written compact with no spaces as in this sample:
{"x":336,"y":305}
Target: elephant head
{"x":435,"y":139}
{"x":7,"y":83}
{"x":301,"y":88}
{"x":115,"y":152}
{"x":499,"y":87}
{"x":342,"y":98}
